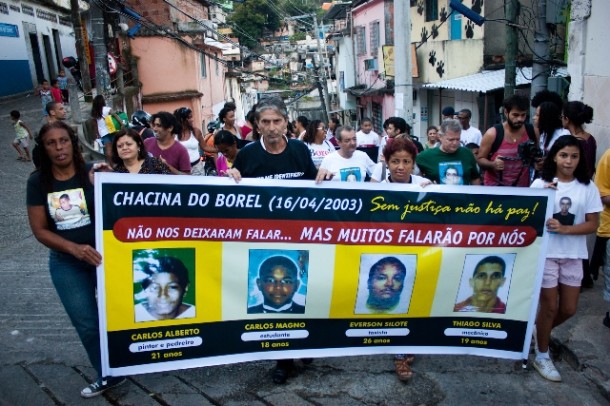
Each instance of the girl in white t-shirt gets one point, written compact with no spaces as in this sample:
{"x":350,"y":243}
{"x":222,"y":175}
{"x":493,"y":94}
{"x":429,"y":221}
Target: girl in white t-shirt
{"x":576,"y":214}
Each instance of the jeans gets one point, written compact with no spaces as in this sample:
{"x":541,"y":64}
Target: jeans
{"x":75,"y":283}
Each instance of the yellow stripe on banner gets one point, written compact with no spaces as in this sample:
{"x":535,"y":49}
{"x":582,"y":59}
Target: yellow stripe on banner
{"x":121,"y":287}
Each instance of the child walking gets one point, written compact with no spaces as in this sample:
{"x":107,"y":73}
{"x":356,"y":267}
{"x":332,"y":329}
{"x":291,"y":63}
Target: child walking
{"x":44,"y":92}
{"x":22,"y":137}
{"x":56,"y":91}
{"x":576,"y":214}
{"x":63,"y":86}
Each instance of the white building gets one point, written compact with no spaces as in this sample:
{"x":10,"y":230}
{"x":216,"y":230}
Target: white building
{"x":34,"y":37}
{"x":588,"y":64}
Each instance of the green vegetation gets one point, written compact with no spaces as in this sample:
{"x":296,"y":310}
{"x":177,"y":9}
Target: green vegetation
{"x":254,"y":18}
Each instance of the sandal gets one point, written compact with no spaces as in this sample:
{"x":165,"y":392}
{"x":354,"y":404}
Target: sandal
{"x":403,"y":369}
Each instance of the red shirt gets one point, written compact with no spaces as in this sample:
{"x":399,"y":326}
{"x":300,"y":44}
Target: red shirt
{"x":56,"y":93}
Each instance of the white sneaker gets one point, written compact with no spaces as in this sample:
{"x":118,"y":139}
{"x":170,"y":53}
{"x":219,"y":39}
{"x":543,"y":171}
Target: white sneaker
{"x":546,"y":369}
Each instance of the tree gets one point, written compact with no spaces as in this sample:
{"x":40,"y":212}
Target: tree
{"x":251,"y":18}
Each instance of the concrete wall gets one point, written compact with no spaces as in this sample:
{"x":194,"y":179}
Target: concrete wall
{"x":495,"y":32}
{"x":161,"y":13}
{"x":439,"y":57}
{"x":588,"y":64}
{"x":167,"y":68}
{"x":17,"y":66}
{"x":345,"y":64}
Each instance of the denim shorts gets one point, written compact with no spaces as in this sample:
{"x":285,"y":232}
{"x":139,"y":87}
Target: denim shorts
{"x":107,"y":139}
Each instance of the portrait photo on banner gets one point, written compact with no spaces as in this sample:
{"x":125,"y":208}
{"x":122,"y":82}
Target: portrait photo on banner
{"x":164,"y":284}
{"x":277,"y":281}
{"x":385,"y":283}
{"x":485,"y":283}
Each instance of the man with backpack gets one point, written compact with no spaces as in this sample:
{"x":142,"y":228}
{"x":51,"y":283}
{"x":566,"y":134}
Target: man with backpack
{"x":507,"y":149}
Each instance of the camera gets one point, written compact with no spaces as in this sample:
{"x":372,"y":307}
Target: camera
{"x":529,"y":151}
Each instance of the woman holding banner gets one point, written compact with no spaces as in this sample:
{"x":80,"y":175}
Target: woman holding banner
{"x":72,"y":257}
{"x":578,"y":200}
{"x":399,"y":155}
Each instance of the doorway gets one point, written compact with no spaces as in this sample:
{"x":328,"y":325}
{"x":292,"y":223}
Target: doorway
{"x":48,"y":50}
{"x":36,"y":57}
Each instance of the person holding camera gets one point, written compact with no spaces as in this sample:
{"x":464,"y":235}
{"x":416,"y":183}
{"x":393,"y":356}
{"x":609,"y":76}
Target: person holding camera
{"x":509,"y":149}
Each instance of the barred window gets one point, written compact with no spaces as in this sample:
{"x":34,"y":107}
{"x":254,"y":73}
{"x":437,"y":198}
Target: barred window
{"x":377,"y":117}
{"x":361,"y":40}
{"x":203,"y":67}
{"x":16,"y":9}
{"x":3,"y":8}
{"x":431,"y":10}
{"x":27,"y":10}
{"x":388,"y":23}
{"x":374,"y":33}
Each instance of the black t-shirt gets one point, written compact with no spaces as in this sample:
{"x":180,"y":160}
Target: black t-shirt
{"x":69,"y":207}
{"x":294,"y":162}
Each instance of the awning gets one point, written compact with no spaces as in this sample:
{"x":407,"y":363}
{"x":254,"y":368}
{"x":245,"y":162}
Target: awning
{"x":487,"y":80}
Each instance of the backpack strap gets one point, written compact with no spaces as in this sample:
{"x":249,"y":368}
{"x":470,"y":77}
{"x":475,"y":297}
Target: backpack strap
{"x":530,"y":131}
{"x":498,"y":140}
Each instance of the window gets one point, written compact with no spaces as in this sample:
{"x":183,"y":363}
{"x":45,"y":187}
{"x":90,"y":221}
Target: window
{"x":377,"y":117}
{"x":216,"y":66}
{"x":388,"y":11}
{"x":374,"y":30}
{"x":203,"y":69}
{"x":431,"y":10}
{"x":360,"y":40}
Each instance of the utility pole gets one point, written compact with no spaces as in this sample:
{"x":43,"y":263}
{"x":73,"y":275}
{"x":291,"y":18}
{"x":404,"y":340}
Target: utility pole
{"x":321,"y":73}
{"x":102,"y":78}
{"x":80,"y":49}
{"x":319,"y":78}
{"x":510,"y":66}
{"x":321,"y":82}
{"x":541,"y":51}
{"x":403,"y":79}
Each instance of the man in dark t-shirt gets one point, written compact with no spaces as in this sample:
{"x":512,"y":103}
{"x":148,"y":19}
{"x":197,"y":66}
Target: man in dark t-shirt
{"x":274,"y":156}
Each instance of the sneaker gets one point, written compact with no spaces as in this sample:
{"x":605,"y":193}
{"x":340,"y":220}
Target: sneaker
{"x":546,"y":369}
{"x":102,"y":385}
{"x":283,"y":369}
{"x":607,"y":320}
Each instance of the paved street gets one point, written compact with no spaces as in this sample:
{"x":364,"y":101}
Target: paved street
{"x":43,"y":363}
